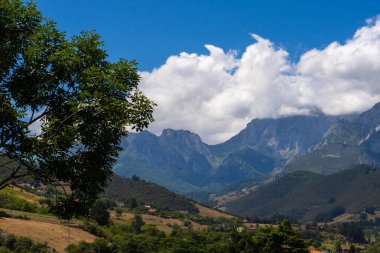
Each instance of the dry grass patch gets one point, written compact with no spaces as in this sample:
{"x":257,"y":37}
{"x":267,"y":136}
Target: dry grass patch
{"x":48,"y":218}
{"x":348,"y":217}
{"x":208,"y":212}
{"x":22,"y":194}
{"x":55,"y":235}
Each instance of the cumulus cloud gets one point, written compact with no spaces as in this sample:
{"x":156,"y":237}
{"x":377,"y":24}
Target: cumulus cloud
{"x":217,"y":94}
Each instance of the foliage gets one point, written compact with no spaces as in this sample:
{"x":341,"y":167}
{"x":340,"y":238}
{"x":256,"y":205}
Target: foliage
{"x":352,"y":249}
{"x":274,"y":219}
{"x":337,"y":247}
{"x":11,"y":202}
{"x":370,"y":210}
{"x":11,"y":243}
{"x":137,"y":223}
{"x":125,"y":238}
{"x":133,"y":203}
{"x":118,"y":212}
{"x":94,"y":229}
{"x":99,"y":212}
{"x":353,"y":231}
{"x":81,"y":103}
{"x":98,"y":246}
{"x":374,"y":248}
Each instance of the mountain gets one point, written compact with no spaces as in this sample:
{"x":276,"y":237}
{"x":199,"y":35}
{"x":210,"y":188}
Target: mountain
{"x":180,"y":161}
{"x":281,"y":138}
{"x":346,"y":143}
{"x":306,"y":196}
{"x":125,"y":189}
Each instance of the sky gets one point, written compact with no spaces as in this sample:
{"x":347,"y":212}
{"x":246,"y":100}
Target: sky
{"x":213,"y":66}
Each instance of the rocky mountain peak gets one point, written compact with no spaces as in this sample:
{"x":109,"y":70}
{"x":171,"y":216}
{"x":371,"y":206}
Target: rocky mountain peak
{"x":371,"y":117}
{"x":180,"y":136}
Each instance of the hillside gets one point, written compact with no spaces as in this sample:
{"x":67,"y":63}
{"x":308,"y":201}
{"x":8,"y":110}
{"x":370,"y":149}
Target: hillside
{"x":43,"y":227}
{"x":305,"y":195}
{"x":125,"y":189}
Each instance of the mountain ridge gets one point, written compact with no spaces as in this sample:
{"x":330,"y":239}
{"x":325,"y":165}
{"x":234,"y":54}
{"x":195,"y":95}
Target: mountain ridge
{"x":182,"y":162}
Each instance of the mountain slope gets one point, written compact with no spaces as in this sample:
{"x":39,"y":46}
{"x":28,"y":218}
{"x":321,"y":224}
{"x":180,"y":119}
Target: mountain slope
{"x":303,"y":195}
{"x":281,"y":138}
{"x":125,"y":189}
{"x":346,"y":143}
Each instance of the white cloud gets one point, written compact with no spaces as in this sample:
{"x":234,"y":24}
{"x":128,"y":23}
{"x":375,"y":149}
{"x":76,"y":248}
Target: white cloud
{"x":35,"y":128}
{"x":216,"y":95}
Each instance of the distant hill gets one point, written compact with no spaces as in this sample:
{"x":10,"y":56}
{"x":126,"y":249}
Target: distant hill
{"x":125,"y":189}
{"x":304,"y":195}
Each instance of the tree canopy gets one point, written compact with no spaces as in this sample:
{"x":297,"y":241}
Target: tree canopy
{"x":63,"y":106}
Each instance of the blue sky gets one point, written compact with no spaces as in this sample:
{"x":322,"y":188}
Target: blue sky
{"x":213,"y":66}
{"x":151,"y":30}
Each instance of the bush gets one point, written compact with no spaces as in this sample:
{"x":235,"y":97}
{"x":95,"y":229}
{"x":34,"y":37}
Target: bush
{"x":11,"y":243}
{"x":3,"y":214}
{"x":370,"y":210}
{"x":93,"y":229}
{"x":98,"y":246}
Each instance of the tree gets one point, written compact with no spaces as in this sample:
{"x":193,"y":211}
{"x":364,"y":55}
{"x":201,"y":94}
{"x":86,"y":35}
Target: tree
{"x":352,"y":249}
{"x":133,"y":203}
{"x":137,"y":223}
{"x":100,"y":213}
{"x":374,"y":248}
{"x":370,"y":210}
{"x":119,"y":212}
{"x":282,"y":239}
{"x":64,"y":108}
{"x":337,"y":248}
